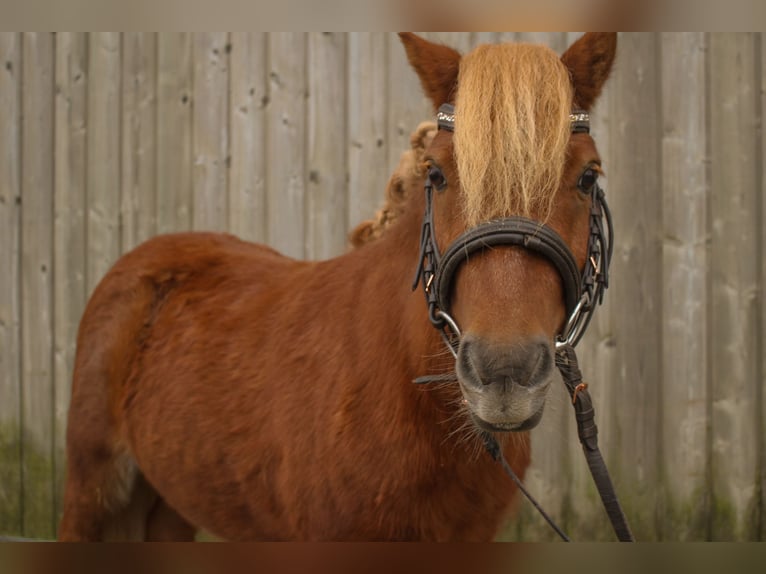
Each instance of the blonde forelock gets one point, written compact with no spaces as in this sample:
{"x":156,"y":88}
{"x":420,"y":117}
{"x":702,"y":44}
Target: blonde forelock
{"x":511,"y":130}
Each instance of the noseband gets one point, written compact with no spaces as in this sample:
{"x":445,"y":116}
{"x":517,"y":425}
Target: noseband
{"x":582,"y":293}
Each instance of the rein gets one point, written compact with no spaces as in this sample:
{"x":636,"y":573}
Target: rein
{"x":582,"y":293}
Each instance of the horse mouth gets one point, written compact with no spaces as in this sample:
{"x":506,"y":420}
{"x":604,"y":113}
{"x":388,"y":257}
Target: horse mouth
{"x":525,"y":425}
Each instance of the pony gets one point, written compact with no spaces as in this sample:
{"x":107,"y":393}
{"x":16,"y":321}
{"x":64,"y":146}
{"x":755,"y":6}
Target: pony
{"x":220,"y":386}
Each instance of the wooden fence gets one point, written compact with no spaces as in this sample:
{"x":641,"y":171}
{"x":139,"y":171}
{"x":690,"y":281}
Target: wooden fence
{"x":289,"y":138}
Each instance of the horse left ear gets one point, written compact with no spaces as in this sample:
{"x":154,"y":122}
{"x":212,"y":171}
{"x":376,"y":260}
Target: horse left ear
{"x":436,"y":65}
{"x":589,"y":61}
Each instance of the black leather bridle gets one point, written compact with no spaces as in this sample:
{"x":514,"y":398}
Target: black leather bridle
{"x":583,"y":291}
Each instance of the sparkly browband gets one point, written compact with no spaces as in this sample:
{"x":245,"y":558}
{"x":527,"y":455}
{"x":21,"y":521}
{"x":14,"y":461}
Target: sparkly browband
{"x":445,"y":118}
{"x":580,"y":121}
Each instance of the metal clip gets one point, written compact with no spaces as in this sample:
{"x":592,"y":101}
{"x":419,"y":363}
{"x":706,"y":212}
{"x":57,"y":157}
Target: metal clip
{"x":578,"y":388}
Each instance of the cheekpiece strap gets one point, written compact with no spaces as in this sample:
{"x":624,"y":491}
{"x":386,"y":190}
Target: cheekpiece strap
{"x":445,"y":117}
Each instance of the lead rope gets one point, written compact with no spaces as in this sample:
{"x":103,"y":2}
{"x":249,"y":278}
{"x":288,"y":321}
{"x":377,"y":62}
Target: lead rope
{"x":490,"y":443}
{"x":566,"y":361}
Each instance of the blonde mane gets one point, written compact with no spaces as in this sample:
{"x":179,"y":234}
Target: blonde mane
{"x":411,"y":166}
{"x":511,"y":130}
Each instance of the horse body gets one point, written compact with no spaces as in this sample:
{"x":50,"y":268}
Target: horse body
{"x":199,"y":403}
{"x":219,"y":385}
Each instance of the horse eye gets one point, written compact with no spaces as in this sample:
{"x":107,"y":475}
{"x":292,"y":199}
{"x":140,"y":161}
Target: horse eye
{"x":587,"y":180}
{"x":436,"y":177}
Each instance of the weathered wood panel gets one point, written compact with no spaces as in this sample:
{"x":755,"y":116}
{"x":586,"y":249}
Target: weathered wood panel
{"x":174,"y":132}
{"x":636,"y":274}
{"x":11,"y":492}
{"x":761,"y":256}
{"x":248,"y":100}
{"x":685,"y":194}
{"x":326,"y":197}
{"x":734,"y":276}
{"x":138,"y":130}
{"x":103,"y":167}
{"x":290,"y":139}
{"x":407,"y":106}
{"x":37,"y":284}
{"x":69,"y":230}
{"x":556,"y":40}
{"x":599,"y":356}
{"x":286,"y":191}
{"x":210,"y":131}
{"x":367,"y":124}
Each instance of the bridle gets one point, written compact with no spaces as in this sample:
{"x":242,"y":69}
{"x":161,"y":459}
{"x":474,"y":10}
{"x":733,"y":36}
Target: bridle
{"x":582,"y":293}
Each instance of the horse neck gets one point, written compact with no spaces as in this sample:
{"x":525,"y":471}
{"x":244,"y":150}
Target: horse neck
{"x":388,"y":265}
{"x":405,"y":346}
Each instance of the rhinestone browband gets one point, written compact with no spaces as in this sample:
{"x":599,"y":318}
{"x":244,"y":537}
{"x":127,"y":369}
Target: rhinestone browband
{"x":445,"y":118}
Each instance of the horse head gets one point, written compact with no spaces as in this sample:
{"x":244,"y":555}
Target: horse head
{"x":510,"y":156}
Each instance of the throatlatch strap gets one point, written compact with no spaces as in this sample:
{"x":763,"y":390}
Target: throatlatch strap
{"x":566,"y":361}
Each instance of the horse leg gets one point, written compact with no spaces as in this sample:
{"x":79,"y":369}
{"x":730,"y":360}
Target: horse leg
{"x":113,"y":502}
{"x":105,"y":497}
{"x":165,"y":525}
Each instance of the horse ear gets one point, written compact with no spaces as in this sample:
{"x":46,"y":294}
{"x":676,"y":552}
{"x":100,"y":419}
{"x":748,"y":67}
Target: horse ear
{"x":589,"y":61}
{"x":436,"y":65}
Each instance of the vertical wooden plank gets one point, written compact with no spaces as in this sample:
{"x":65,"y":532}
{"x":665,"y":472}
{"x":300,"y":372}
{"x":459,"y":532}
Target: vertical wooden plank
{"x":103,"y":171}
{"x":326,"y":208}
{"x":633,"y":423}
{"x":138,"y":130}
{"x":286,"y":135}
{"x":597,"y":351}
{"x":684,"y":296}
{"x":460,"y":41}
{"x":367,"y":124}
{"x":210,"y":130}
{"x":507,"y":37}
{"x":407,"y":106}
{"x":555,"y":40}
{"x":249,"y":99}
{"x":484,"y":38}
{"x":10,"y":333}
{"x":734,"y":275}
{"x":36,"y":284}
{"x":174,"y":132}
{"x":761,"y":342}
{"x":69,"y":231}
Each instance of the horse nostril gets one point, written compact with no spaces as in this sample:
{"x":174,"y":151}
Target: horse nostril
{"x":535,"y":366}
{"x":524,"y":364}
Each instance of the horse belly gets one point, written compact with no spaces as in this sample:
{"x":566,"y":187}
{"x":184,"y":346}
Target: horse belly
{"x":197,"y":414}
{"x":218,"y":472}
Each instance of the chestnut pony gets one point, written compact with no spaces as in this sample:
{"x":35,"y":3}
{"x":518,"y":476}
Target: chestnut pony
{"x":221,"y":386}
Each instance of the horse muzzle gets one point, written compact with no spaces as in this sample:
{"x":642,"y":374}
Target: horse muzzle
{"x":505,"y":386}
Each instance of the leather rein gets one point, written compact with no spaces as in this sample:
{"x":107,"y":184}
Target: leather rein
{"x":582,"y":293}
